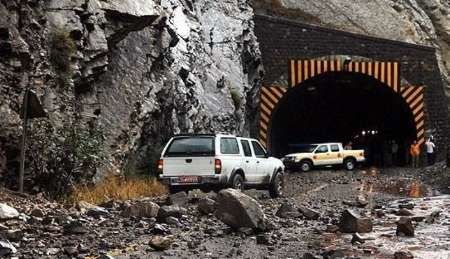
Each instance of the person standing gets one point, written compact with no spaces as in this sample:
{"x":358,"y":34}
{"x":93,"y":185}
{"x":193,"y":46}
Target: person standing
{"x":349,"y":146}
{"x":414,"y":151}
{"x":430,"y":146}
{"x":394,"y":151}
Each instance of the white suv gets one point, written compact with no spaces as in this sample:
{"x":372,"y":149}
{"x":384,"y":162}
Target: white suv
{"x":220,"y":160}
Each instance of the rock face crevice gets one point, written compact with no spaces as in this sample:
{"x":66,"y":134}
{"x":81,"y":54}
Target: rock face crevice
{"x":141,"y":72}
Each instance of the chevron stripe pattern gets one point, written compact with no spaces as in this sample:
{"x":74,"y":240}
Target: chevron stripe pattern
{"x":301,"y":70}
{"x":414,"y":97}
{"x":270,"y":96}
{"x":386,"y":72}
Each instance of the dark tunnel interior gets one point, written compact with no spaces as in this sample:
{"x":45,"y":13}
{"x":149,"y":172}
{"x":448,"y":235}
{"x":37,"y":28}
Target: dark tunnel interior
{"x":343,"y":107}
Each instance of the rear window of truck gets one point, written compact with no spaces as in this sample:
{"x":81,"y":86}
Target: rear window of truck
{"x":191,"y":146}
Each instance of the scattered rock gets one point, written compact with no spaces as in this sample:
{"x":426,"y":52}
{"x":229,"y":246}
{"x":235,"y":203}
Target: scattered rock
{"x":309,"y":213}
{"x":405,"y":227}
{"x":403,"y":255}
{"x":14,"y":235}
{"x":172,"y":221}
{"x":408,"y":206}
{"x":161,"y":243}
{"x":143,"y":209}
{"x":52,"y":251}
{"x":309,"y":256}
{"x":239,"y":210}
{"x":179,"y":198}
{"x":6,"y":248}
{"x":351,"y":222}
{"x":361,"y":201}
{"x":206,"y":206}
{"x":97,"y":212}
{"x":357,"y":238}
{"x":288,"y":210}
{"x":332,"y":228}
{"x":37,"y":212}
{"x":75,"y":227}
{"x":171,"y":211}
{"x":263,"y":239}
{"x":8,"y":212}
{"x":404,"y":212}
{"x":197,"y":194}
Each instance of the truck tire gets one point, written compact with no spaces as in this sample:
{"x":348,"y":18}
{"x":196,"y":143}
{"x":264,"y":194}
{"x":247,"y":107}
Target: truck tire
{"x":276,"y":186}
{"x":349,"y":164}
{"x":305,"y":166}
{"x":237,"y":182}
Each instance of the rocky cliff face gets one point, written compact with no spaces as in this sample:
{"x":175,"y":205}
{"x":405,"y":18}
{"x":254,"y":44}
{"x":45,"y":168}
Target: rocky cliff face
{"x":425,"y":22}
{"x":127,"y":74}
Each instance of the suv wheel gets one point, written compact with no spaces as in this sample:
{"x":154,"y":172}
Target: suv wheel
{"x":238,"y":182}
{"x":349,"y":164}
{"x":276,"y":186}
{"x":305,"y":166}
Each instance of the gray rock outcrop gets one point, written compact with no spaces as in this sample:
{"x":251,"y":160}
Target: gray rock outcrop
{"x":135,"y":72}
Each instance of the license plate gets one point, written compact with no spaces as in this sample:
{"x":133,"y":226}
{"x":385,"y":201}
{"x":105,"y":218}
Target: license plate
{"x":188,"y":179}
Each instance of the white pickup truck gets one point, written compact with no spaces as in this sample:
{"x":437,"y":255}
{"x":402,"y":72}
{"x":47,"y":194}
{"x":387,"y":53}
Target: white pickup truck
{"x":323,"y":154}
{"x":194,"y":161}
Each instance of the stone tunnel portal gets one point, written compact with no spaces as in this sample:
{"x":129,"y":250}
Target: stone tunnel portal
{"x":343,"y":107}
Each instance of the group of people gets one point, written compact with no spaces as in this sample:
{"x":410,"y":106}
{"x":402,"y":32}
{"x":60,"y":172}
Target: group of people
{"x":430,"y":149}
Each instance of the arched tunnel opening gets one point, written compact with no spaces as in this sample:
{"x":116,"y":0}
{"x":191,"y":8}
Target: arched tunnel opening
{"x":344,"y":107}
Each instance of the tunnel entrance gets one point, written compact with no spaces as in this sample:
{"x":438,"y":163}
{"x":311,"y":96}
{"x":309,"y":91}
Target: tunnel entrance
{"x":343,"y":107}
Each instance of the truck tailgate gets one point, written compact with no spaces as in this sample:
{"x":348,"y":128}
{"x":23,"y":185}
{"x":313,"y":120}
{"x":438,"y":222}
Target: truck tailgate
{"x":180,"y":166}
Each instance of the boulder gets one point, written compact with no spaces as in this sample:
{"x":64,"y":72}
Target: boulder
{"x":160,"y":243}
{"x":404,"y":212}
{"x":97,"y":212}
{"x":408,"y":206}
{"x":6,"y":248}
{"x":76,"y":228}
{"x":352,"y":222}
{"x":179,"y":198}
{"x":37,"y":212}
{"x":142,"y":209}
{"x":206,"y":206}
{"x":8,"y":212}
{"x":405,"y":227}
{"x":361,"y":201}
{"x":288,"y":210}
{"x":197,"y":194}
{"x":403,"y":255}
{"x":309,"y":213}
{"x":171,"y":211}
{"x":238,"y":210}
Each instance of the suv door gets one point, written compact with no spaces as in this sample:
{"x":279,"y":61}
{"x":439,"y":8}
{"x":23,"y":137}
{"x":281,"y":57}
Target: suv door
{"x":262,"y":165}
{"x":249,"y":163}
{"x":322,"y":155}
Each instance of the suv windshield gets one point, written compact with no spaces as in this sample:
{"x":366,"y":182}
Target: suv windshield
{"x":191,"y":146}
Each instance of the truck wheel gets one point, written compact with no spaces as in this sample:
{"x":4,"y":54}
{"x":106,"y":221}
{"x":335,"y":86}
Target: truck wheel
{"x":305,"y":166}
{"x":349,"y":164}
{"x":238,"y":182}
{"x":276,"y":186}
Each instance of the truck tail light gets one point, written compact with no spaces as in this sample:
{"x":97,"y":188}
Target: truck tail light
{"x":217,"y":166}
{"x":160,"y":166}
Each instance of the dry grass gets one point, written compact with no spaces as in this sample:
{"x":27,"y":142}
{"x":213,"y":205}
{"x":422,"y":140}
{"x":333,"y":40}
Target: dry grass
{"x":117,"y":188}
